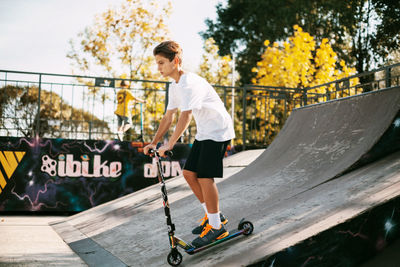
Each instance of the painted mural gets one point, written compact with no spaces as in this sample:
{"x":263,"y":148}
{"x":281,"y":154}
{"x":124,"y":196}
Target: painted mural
{"x":74,"y":175}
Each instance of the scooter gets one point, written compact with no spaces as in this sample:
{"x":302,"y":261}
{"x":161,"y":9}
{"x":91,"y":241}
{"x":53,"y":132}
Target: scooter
{"x":174,"y":258}
{"x":141,"y":123}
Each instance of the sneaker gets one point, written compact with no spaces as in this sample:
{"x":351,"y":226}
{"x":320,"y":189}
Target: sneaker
{"x":209,"y":235}
{"x":197,"y":230}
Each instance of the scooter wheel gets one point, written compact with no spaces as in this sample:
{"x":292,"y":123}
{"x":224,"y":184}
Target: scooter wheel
{"x":174,"y":258}
{"x":248,"y":226}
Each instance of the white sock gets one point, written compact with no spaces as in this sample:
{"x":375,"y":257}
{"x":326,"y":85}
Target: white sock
{"x":214,"y":220}
{"x":204,"y":207}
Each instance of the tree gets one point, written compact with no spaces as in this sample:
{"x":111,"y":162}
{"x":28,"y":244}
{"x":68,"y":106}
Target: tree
{"x":296,"y":63}
{"x":387,"y":37}
{"x":119,"y":44}
{"x":214,"y":68}
{"x":242,"y":26}
{"x":121,"y":40}
{"x":18,"y":111}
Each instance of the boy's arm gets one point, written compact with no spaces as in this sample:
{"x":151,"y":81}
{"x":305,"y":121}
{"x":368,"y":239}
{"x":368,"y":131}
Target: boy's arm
{"x":138,"y":99}
{"x":132,"y":97}
{"x":164,"y":125}
{"x":181,"y":126}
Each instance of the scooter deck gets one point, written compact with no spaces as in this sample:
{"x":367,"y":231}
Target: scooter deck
{"x":232,"y":234}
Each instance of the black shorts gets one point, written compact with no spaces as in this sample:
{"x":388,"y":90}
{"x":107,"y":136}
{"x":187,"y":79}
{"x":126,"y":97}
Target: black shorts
{"x":123,"y":120}
{"x":205,"y":158}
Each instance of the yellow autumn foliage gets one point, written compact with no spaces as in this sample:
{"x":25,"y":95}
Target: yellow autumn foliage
{"x":296,"y":63}
{"x":299,"y":63}
{"x":214,"y":68}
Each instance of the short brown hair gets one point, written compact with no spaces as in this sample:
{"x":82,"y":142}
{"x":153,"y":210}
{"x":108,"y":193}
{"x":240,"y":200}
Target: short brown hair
{"x":170,"y":50}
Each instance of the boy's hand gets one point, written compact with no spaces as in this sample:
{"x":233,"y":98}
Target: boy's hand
{"x":148,"y":147}
{"x":163,"y":149}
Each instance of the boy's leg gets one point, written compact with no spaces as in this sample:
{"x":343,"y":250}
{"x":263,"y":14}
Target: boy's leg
{"x":120,"y":127}
{"x":126,"y":127}
{"x":210,"y":193}
{"x":191,"y":179}
{"x":210,"y":165}
{"x":127,"y":123}
{"x":214,"y":229}
{"x":190,"y":171}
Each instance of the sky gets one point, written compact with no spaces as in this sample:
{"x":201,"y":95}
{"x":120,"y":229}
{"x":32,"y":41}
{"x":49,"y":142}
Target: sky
{"x":35,"y":33}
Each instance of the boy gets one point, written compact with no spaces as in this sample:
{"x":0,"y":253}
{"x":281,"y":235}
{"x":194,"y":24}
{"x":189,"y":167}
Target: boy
{"x":124,"y":99}
{"x":194,"y":96}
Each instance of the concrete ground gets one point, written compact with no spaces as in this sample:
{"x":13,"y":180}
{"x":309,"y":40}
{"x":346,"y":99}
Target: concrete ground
{"x":26,"y":241}
{"x":30,"y":241}
{"x":293,"y":191}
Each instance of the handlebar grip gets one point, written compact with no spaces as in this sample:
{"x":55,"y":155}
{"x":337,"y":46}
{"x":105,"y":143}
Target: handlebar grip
{"x":169,"y":153}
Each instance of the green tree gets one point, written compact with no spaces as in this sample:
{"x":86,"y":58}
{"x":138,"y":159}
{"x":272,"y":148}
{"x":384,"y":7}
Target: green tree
{"x":387,"y":37}
{"x":242,"y":26}
{"x":18,"y":111}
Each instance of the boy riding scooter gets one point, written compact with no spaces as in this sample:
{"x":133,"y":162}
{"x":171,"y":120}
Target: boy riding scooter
{"x":196,"y":98}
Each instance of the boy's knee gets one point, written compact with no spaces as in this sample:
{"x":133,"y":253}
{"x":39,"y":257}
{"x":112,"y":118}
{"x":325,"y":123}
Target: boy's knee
{"x":189,"y":175}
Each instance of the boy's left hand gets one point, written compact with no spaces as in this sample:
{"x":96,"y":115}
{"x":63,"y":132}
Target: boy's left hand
{"x":163,"y":149}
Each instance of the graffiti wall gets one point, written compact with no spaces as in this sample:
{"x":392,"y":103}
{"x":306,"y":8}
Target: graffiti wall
{"x":74,"y":175}
{"x":349,"y":244}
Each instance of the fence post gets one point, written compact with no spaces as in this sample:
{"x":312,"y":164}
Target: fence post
{"x":225,"y":97}
{"x":90,"y":130}
{"x":166,"y":97}
{"x":327,"y":94}
{"x":244,"y":117}
{"x":305,"y":96}
{"x":286,"y":101}
{"x":388,"y":77}
{"x":38,"y":109}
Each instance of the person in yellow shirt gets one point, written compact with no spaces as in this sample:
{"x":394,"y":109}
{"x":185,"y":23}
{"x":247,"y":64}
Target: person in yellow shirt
{"x":124,"y":100}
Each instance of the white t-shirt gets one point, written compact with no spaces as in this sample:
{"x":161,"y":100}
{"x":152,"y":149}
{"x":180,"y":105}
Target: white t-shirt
{"x":192,"y":92}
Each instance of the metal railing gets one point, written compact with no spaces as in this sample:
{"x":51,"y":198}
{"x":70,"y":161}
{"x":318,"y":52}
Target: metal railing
{"x":265,"y":109}
{"x":82,"y":107}
{"x":71,"y":106}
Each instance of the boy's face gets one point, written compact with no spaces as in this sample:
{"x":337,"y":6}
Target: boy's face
{"x":166,"y":67}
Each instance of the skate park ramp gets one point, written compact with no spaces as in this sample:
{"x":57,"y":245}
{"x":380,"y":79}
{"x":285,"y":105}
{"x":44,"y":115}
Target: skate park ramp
{"x":294,"y":189}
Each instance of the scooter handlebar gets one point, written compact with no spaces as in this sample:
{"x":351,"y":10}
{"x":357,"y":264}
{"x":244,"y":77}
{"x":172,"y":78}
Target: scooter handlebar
{"x":155,"y":151}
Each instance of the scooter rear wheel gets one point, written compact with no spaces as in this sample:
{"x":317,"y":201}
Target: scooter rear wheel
{"x":174,"y":257}
{"x":246,"y":225}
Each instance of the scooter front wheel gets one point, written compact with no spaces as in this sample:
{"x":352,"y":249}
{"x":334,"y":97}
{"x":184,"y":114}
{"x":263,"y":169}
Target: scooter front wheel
{"x":174,"y":257}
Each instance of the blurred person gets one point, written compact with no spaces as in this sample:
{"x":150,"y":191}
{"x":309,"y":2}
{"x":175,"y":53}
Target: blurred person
{"x":125,"y":99}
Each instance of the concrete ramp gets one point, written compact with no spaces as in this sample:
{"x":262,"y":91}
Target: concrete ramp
{"x":288,"y":192}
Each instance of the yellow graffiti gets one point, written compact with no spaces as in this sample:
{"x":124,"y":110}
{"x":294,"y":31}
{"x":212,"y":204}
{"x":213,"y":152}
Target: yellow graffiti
{"x":9,"y":160}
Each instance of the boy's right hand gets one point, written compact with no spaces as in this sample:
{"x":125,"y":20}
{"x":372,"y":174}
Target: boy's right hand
{"x":148,"y":147}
